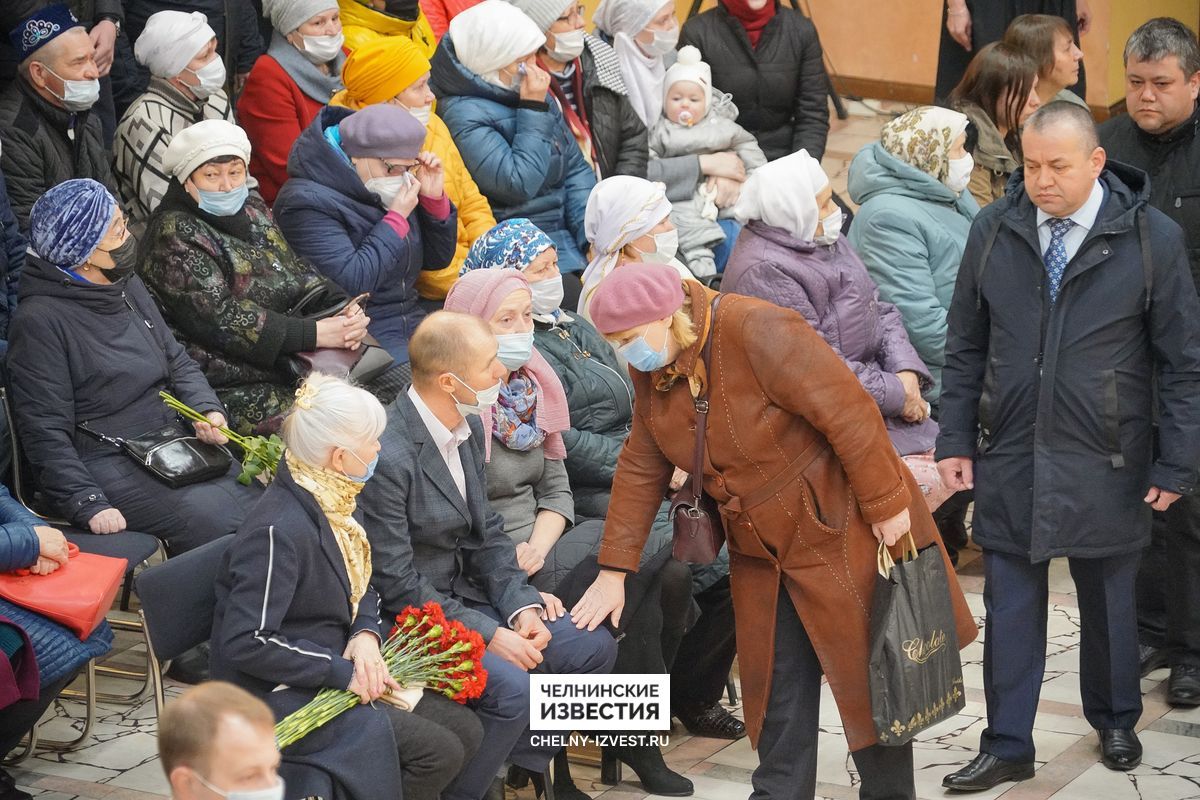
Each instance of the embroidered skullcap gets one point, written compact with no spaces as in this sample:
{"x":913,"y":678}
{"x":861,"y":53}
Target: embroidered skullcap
{"x":40,"y":28}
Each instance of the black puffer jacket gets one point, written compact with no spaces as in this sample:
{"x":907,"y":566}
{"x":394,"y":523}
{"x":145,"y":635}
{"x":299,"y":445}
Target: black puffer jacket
{"x":1172,"y":160}
{"x":81,"y":352}
{"x":780,"y":87}
{"x":617,"y":132}
{"x":38,"y":153}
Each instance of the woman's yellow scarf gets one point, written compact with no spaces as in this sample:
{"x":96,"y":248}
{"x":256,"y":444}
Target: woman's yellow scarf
{"x":335,"y":494}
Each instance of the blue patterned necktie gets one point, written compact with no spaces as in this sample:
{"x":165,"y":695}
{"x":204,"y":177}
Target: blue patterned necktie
{"x":1056,"y":254}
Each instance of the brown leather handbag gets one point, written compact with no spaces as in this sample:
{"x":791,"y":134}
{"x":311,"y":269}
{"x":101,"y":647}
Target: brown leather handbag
{"x":695,"y":517}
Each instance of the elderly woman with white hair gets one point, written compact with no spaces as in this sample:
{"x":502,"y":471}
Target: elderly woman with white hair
{"x":513,"y":138}
{"x":230,"y":284}
{"x":290,"y":83}
{"x":628,"y":222}
{"x":792,"y":253}
{"x":187,"y":85}
{"x":295,"y":607}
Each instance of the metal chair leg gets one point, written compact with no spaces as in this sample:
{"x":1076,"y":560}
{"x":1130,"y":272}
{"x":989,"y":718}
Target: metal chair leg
{"x":731,"y":689}
{"x":30,"y":742}
{"x":89,"y":678}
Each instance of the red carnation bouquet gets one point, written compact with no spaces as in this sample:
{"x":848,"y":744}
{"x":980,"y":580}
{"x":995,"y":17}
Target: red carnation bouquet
{"x":423,"y":649}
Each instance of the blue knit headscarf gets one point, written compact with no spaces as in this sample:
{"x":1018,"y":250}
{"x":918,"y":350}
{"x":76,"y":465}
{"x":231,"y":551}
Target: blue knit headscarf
{"x":69,"y":221}
{"x":512,"y":244}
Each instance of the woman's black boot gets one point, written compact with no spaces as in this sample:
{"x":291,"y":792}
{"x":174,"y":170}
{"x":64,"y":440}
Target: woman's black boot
{"x":647,"y":762}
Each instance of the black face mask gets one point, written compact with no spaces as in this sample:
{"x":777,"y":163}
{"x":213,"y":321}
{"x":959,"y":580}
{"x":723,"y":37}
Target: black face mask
{"x":403,"y":9}
{"x":124,"y":258}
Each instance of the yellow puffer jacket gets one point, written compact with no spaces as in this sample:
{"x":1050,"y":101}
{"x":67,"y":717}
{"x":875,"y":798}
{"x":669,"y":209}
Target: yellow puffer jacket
{"x":361,"y":24}
{"x":474,"y":214}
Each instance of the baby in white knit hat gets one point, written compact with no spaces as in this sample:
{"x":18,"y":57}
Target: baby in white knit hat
{"x":696,"y":121}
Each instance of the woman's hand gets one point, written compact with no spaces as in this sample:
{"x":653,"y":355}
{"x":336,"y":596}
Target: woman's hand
{"x":431,"y":175}
{"x":1083,"y":15}
{"x":915,"y":407}
{"x":343,"y":331}
{"x":892,"y":530}
{"x":52,"y":550}
{"x":727,"y":191}
{"x":958,"y":23}
{"x":529,"y":559}
{"x":723,"y":165}
{"x":536,"y":82}
{"x":604,"y":598}
{"x":207,"y":431}
{"x":406,"y":199}
{"x":371,"y":678}
{"x":107,"y":521}
{"x":554,"y":607}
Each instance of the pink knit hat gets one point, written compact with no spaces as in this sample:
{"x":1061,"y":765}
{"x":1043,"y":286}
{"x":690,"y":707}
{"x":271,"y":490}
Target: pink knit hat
{"x":635,"y":294}
{"x":480,"y":292}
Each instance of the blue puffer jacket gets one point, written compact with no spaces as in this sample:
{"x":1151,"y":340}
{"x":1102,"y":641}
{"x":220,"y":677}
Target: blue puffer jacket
{"x":910,"y":234}
{"x":520,"y":153}
{"x":59,"y":651}
{"x":335,"y":223}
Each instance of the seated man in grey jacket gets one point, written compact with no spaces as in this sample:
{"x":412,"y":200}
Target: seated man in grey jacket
{"x":433,"y":537}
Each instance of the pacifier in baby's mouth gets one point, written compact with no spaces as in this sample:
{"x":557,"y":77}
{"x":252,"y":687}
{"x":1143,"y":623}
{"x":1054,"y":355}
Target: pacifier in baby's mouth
{"x":686,"y":118}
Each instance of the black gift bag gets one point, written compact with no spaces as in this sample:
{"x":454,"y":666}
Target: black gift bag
{"x":915,"y":673}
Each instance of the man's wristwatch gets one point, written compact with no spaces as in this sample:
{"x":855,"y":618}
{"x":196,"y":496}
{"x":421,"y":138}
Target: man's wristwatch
{"x":114,"y":19}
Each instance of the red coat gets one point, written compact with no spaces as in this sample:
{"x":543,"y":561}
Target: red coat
{"x":273,"y":111}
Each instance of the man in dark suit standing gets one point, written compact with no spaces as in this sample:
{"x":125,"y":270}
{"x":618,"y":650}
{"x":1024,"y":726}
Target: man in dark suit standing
{"x":433,"y":537}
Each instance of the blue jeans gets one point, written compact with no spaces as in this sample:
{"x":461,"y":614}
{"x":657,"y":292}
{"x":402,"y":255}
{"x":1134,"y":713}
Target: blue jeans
{"x":721,"y":252}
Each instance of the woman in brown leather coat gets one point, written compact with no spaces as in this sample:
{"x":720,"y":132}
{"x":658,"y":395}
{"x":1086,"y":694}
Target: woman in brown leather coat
{"x":799,"y":460}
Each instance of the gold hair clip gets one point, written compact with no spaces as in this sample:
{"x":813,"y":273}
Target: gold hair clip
{"x":305,"y":395}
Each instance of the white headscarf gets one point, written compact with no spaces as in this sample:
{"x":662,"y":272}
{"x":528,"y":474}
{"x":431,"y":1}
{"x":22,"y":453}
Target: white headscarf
{"x":170,"y":40}
{"x":922,"y":138}
{"x":621,"y":209}
{"x":783,"y":194}
{"x":492,"y":35}
{"x":643,"y":74}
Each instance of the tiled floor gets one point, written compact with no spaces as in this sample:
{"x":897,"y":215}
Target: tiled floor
{"x":120,"y":764}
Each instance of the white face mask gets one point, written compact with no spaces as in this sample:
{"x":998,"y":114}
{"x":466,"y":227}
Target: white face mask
{"x":664,"y":42}
{"x":270,"y":793}
{"x":831,"y":228}
{"x":421,"y":114}
{"x":960,"y":173}
{"x":567,"y":46}
{"x":484,"y":398}
{"x":211,"y":77}
{"x":388,"y":187}
{"x":547,"y":295}
{"x":666,"y":245}
{"x":322,"y":49}
{"x":77,"y":95}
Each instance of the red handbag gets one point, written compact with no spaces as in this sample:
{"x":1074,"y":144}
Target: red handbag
{"x":77,"y":595}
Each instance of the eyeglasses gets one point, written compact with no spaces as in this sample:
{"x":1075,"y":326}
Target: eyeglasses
{"x":396,"y":168}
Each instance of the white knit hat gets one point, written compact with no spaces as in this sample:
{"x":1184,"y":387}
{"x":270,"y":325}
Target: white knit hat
{"x":170,"y":40}
{"x":544,"y":13}
{"x":493,"y":34}
{"x":287,"y":15}
{"x":202,"y":142}
{"x":689,"y":67}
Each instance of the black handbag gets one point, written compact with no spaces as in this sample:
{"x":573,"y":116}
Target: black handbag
{"x":362,"y":366}
{"x":174,"y":458}
{"x":698,"y":533}
{"x":915,"y":674}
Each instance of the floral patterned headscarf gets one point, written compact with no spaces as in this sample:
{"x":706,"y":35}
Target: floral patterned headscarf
{"x":513,"y":243}
{"x":922,"y":138}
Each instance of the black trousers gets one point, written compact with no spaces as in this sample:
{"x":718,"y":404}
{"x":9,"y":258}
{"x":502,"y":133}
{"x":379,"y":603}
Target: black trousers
{"x":787,"y":747}
{"x":19,"y":718}
{"x":1168,"y":583}
{"x":706,"y":653}
{"x":435,"y":740}
{"x":1014,"y":650}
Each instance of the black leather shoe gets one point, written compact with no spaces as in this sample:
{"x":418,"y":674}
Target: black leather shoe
{"x":1120,"y":749}
{"x":715,"y":722}
{"x":1151,"y":658}
{"x":1183,"y":689}
{"x":191,"y":667}
{"x":985,"y":772}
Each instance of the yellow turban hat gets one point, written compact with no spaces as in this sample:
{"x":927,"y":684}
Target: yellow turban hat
{"x":380,"y":69}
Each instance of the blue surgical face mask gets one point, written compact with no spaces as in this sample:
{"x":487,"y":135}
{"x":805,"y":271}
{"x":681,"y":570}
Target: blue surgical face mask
{"x":370,"y":468}
{"x":515,"y":349}
{"x":223,"y":204}
{"x":642,"y":357}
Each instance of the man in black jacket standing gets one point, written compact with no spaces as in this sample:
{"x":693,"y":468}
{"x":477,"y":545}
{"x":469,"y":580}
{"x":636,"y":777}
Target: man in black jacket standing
{"x":1074,"y":320}
{"x":1161,"y":135}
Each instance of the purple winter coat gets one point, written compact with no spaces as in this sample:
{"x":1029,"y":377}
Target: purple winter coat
{"x":830,"y":286}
